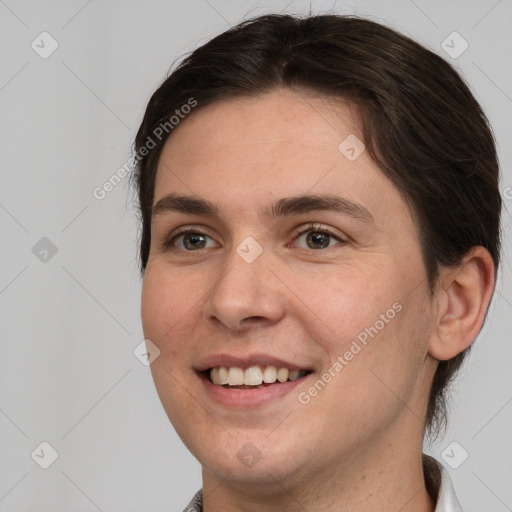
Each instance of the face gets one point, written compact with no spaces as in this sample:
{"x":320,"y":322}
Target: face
{"x":330,"y":294}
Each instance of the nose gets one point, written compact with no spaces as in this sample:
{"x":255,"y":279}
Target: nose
{"x":245,"y":294}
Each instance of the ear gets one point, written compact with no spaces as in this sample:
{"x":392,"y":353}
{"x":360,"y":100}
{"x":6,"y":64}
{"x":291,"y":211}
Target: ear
{"x":464,"y":294}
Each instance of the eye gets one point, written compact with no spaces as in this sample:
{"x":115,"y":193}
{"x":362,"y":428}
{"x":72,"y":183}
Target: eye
{"x":191,"y":240}
{"x":318,"y":237}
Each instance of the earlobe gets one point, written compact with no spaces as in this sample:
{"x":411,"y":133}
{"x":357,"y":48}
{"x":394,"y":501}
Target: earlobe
{"x":464,"y":296}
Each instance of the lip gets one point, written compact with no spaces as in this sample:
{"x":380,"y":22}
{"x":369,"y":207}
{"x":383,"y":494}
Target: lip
{"x":246,"y":361}
{"x":243,"y":399}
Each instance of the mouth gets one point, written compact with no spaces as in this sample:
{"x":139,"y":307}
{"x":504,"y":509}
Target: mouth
{"x":252,"y":377}
{"x":246,"y":382}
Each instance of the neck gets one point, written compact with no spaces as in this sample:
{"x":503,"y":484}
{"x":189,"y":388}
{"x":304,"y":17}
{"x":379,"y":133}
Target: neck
{"x":393,"y":481}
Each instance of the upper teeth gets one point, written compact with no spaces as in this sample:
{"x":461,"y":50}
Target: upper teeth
{"x":252,"y":376}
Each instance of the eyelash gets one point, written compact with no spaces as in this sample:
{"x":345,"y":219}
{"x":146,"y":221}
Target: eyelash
{"x":317,"y":228}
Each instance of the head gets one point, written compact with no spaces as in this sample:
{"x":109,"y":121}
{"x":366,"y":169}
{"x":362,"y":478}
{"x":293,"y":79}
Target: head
{"x":268,"y":110}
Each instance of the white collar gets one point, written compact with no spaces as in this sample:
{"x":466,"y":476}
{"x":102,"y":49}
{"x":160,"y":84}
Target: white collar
{"x":446,"y":498}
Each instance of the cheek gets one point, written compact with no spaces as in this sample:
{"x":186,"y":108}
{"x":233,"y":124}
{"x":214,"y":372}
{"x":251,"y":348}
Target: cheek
{"x":382,"y":362}
{"x":368,"y":327}
{"x":166,"y":311}
{"x":342,"y":302}
{"x":168,"y":300}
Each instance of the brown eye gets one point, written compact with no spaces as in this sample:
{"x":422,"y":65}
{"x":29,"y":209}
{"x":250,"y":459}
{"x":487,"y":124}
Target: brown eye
{"x":318,"y":237}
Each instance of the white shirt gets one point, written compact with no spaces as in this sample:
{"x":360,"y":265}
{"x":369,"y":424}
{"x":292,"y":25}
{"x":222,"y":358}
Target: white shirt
{"x":446,"y":499}
{"x":437,"y":479}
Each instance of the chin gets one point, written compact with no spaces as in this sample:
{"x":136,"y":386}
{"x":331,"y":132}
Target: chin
{"x":256,"y":460}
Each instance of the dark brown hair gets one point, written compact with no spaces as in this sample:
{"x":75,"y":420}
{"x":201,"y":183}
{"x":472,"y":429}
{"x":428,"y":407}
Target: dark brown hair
{"x":421,"y":125}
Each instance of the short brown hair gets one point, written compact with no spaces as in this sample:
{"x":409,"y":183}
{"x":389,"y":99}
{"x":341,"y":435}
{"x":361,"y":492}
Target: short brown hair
{"x":421,"y":126}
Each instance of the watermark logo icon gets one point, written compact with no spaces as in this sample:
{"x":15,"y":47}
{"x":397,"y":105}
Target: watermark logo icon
{"x":455,"y":455}
{"x":351,"y":147}
{"x":44,"y":45}
{"x":249,"y":455}
{"x":454,"y":45}
{"x":44,"y":250}
{"x":146,"y":352}
{"x":44,"y":455}
{"x":249,"y":249}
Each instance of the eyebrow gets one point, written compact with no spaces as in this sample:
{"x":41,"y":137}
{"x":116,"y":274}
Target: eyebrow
{"x":283,"y":207}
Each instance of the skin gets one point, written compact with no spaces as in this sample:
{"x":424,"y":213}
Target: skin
{"x":357,"y":444}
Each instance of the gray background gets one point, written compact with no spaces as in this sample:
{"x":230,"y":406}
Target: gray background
{"x":71,"y":320}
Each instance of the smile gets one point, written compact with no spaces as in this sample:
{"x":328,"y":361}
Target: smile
{"x":245,"y":381}
{"x":254,"y":377}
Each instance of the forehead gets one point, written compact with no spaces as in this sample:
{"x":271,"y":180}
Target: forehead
{"x":244,"y":153}
{"x":275,"y":120}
